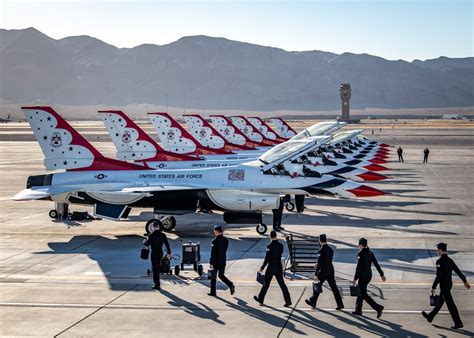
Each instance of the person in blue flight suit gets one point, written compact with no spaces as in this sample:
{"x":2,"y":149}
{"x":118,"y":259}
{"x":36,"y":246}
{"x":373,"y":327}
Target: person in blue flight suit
{"x":444,"y":273}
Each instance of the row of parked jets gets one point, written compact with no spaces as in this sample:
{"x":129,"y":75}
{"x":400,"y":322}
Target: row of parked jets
{"x":241,"y":166}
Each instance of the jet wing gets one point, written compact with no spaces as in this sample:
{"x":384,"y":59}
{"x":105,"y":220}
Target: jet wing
{"x":291,"y":149}
{"x":36,"y":193}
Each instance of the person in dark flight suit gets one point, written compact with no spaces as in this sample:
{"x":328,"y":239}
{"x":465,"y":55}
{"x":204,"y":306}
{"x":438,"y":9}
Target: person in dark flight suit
{"x":426,"y":152}
{"x":155,"y":240}
{"x":274,"y":269}
{"x":325,"y":272}
{"x":218,"y":260}
{"x":400,"y":154}
{"x":363,"y":276}
{"x":444,"y":271}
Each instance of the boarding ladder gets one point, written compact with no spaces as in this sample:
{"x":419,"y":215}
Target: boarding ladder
{"x":303,"y":254}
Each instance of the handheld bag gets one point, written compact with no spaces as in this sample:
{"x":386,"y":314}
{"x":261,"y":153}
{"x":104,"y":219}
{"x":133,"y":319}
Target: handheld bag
{"x":355,"y":290}
{"x":318,"y":287}
{"x":434,"y":300}
{"x":260,"y":278}
{"x":144,"y":253}
{"x":211,"y":274}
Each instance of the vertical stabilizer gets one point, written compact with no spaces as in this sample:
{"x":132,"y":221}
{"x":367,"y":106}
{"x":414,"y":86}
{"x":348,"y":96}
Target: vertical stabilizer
{"x":64,"y":148}
{"x":132,"y":143}
{"x":282,"y":128}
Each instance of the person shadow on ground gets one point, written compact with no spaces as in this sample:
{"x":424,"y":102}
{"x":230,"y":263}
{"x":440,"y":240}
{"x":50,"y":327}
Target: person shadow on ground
{"x":370,"y":326}
{"x":254,"y":312}
{"x":201,"y":312}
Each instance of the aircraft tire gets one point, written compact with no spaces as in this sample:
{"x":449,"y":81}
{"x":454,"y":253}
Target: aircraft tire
{"x":54,"y":214}
{"x":290,"y":206}
{"x":169,"y":223}
{"x":261,"y":228}
{"x":149,"y":224}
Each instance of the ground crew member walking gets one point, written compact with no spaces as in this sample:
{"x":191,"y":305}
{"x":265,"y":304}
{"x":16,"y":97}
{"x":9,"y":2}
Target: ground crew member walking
{"x":218,"y":260}
{"x":363,"y":276}
{"x":325,"y":272}
{"x":444,"y":270}
{"x":155,"y":240}
{"x":400,"y":154}
{"x":275,"y":268}
{"x":426,"y":152}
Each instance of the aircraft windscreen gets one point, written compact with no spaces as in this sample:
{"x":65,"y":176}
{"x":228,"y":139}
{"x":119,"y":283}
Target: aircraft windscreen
{"x":344,"y":136}
{"x":282,"y":150}
{"x":314,"y":130}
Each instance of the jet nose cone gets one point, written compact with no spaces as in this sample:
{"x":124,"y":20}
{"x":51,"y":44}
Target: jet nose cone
{"x":366,"y":191}
{"x":370,"y":176}
{"x":375,"y":167}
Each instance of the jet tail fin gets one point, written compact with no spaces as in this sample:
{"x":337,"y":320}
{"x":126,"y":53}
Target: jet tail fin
{"x":252,"y":133}
{"x":207,"y":135}
{"x":203,"y":132}
{"x":131,"y":141}
{"x":64,"y":148}
{"x":177,"y":139}
{"x":265,"y":129}
{"x":231,"y":133}
{"x":282,"y":128}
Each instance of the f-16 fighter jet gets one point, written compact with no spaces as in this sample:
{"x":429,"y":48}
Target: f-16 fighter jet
{"x":113,"y":187}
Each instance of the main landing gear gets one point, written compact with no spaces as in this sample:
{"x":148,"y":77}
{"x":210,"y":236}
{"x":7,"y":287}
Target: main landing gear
{"x":169,"y":223}
{"x":60,"y":211}
{"x":261,"y":228}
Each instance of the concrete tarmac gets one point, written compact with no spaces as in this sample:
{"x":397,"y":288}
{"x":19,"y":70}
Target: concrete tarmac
{"x":86,"y":278}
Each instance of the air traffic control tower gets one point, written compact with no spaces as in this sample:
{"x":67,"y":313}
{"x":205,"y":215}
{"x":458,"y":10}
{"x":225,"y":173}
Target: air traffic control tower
{"x":345,"y":92}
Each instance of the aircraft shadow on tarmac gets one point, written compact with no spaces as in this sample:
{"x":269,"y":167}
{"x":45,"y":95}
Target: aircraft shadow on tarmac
{"x":325,"y":218}
{"x":379,"y":205}
{"x":118,"y":258}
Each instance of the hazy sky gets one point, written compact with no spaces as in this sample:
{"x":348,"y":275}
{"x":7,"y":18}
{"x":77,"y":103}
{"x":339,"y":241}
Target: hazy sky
{"x":391,"y":29}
